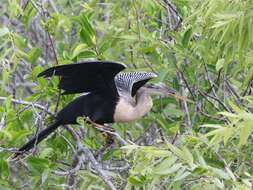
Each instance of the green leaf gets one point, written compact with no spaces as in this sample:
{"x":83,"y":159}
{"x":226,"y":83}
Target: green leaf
{"x":5,"y":75}
{"x":87,"y":38}
{"x":228,"y":134}
{"x":168,"y":170}
{"x":33,"y":55}
{"x":187,"y":156}
{"x":220,"y":173}
{"x":166,"y":163}
{"x":87,"y":33}
{"x":37,"y":165}
{"x":79,"y":49}
{"x":245,"y":131}
{"x":187,"y":37}
{"x":220,"y":64}
{"x":134,"y":180}
{"x":181,"y":175}
{"x":82,"y":51}
{"x":4,"y":169}
{"x":19,"y":41}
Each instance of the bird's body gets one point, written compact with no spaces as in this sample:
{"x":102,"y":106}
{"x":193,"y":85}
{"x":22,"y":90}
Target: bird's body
{"x":98,"y":107}
{"x":110,"y":95}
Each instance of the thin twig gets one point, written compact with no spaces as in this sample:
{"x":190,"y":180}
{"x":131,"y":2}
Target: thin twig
{"x":216,"y":99}
{"x":29,"y":104}
{"x":212,"y":85}
{"x":184,"y":106}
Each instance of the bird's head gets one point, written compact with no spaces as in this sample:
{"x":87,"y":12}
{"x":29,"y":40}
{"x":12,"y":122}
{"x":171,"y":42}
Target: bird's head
{"x":163,"y":90}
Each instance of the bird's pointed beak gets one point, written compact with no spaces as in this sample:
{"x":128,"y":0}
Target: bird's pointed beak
{"x":162,"y":89}
{"x":172,"y":92}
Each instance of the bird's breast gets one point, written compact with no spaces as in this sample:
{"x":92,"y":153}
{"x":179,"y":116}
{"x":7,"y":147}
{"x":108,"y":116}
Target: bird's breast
{"x":126,"y":112}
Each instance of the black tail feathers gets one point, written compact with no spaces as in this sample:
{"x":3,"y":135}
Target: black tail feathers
{"x":37,"y":139}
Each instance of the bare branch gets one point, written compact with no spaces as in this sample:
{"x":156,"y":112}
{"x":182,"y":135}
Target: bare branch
{"x":38,"y":106}
{"x":86,"y":152}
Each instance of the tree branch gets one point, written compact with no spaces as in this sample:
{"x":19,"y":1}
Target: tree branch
{"x":28,"y":104}
{"x":83,"y":152}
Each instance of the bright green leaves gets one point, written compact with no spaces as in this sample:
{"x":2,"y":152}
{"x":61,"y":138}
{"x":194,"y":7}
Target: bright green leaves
{"x":220,"y":64}
{"x":240,"y":126}
{"x":187,"y":37}
{"x":30,"y":56}
{"x":13,"y":8}
{"x":82,"y":51}
{"x":135,"y":180}
{"x":4,"y":169}
{"x":33,"y":55}
{"x":19,"y":41}
{"x":179,"y":165}
{"x":246,"y":129}
{"x":167,"y":166}
{"x":89,"y":46}
{"x":58,"y":24}
{"x":28,"y":14}
{"x":184,"y":154}
{"x":37,"y":165}
{"x":86,"y":31}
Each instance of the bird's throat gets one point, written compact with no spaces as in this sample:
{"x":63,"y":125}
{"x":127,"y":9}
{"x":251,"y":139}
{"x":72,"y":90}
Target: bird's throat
{"x":126,"y":112}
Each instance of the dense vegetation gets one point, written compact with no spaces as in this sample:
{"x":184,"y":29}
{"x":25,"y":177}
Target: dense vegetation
{"x":202,"y":48}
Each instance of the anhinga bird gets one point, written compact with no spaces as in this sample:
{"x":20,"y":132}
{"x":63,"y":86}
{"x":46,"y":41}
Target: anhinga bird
{"x":110,"y":95}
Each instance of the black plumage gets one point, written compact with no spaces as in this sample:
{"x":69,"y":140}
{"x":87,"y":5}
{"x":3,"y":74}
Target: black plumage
{"x":85,"y":76}
{"x":97,"y":79}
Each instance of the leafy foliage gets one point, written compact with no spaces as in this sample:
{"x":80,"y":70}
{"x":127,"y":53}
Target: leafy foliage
{"x":201,"y":48}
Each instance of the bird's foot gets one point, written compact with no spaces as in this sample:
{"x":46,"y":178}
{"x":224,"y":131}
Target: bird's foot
{"x":102,"y":128}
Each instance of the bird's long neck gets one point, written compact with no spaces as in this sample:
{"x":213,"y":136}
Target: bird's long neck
{"x":127,"y":110}
{"x":144,"y":103}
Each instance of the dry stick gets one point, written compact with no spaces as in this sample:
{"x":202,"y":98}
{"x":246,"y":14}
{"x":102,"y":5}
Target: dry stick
{"x":227,"y":168}
{"x":77,"y":164}
{"x":51,"y":42}
{"x":29,"y":104}
{"x":206,"y":97}
{"x":212,"y":117}
{"x":248,"y":87}
{"x":12,"y":150}
{"x":215,"y":97}
{"x":185,"y":109}
{"x":185,"y":82}
{"x":41,"y":116}
{"x":233,"y":92}
{"x":37,"y":119}
{"x":97,"y":166}
{"x":42,"y":13}
{"x":173,"y":14}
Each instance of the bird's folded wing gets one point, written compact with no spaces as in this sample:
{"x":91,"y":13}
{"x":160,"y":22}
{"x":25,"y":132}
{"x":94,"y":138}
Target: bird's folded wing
{"x":129,"y":83}
{"x":85,"y":76}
